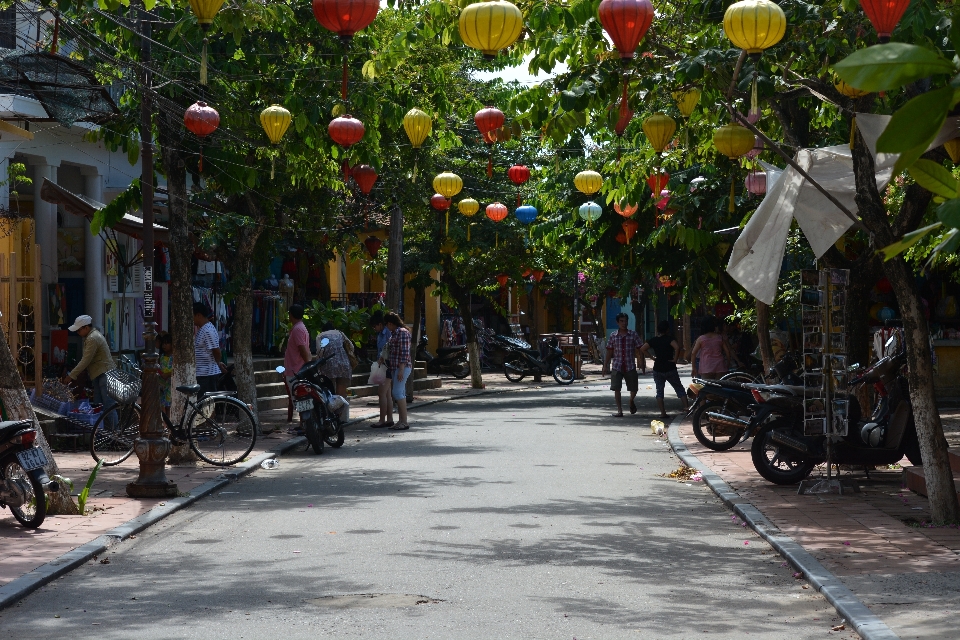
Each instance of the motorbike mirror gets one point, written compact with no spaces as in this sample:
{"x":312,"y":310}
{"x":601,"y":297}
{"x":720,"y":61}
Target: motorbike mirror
{"x":324,"y":342}
{"x":281,"y":369}
{"x":890,"y":343}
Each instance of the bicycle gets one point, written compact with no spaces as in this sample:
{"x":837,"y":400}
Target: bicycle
{"x":219,"y":428}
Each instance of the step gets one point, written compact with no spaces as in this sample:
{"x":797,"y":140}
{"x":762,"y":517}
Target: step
{"x":272,"y":402}
{"x":266,"y":377}
{"x":418,"y":385}
{"x":268,"y":390}
{"x":266,"y":364}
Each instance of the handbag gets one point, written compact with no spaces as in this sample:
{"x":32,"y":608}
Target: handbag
{"x":348,"y":347}
{"x":378,"y":373}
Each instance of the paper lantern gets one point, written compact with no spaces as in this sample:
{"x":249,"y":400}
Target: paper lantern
{"x":657,"y":183}
{"x":884,"y":15}
{"x":538,"y":274}
{"x":526,"y":214}
{"x":488,"y":119}
{"x":733,"y":140}
{"x":758,"y":146}
{"x":418,"y":125}
{"x":588,"y":182}
{"x":275,"y":121}
{"x":503,"y":279}
{"x":345,"y":17}
{"x":490,"y":26}
{"x":205,"y":11}
{"x":496,"y":211}
{"x":373,"y":244}
{"x":448,"y":247}
{"x":626,"y":210}
{"x":622,"y":237}
{"x":346,"y":130}
{"x":687,"y":100}
{"x":518,"y":174}
{"x":468,"y":206}
{"x":626,"y":22}
{"x":756,"y":182}
{"x":847,"y":90}
{"x":438,"y":202}
{"x":590,"y":211}
{"x":447,"y":184}
{"x":754,"y":25}
{"x":659,"y":129}
{"x":630,"y":228}
{"x":953,"y":149}
{"x":667,"y":281}
{"x":201,"y":119}
{"x":365,"y":177}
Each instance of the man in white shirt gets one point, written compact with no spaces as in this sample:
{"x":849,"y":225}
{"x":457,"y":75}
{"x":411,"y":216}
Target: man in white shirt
{"x":206,"y":347}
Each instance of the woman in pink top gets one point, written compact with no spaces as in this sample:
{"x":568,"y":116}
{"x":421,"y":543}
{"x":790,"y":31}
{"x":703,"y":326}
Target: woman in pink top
{"x":713,"y":351}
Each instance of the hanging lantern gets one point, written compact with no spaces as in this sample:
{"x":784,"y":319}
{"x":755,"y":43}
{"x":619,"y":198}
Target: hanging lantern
{"x":884,"y":15}
{"x":346,"y":130}
{"x":439,"y":203}
{"x":526,"y":214}
{"x":518,"y":174}
{"x":488,"y":119}
{"x":953,"y":149}
{"x":418,"y":125}
{"x":588,"y":182}
{"x":496,"y":211}
{"x":201,"y":119}
{"x":275,"y":121}
{"x":490,"y":26}
{"x":687,"y":101}
{"x":626,"y":22}
{"x":847,"y":90}
{"x":622,"y":237}
{"x":448,"y":247}
{"x":447,"y":184}
{"x":345,"y":18}
{"x":667,"y":281}
{"x":626,"y":210}
{"x":630,"y":228}
{"x":468,"y":206}
{"x":758,"y":146}
{"x":659,"y":129}
{"x":538,"y":274}
{"x":756,"y":182}
{"x":657,"y":183}
{"x":733,"y":140}
{"x":503,"y":279}
{"x":664,"y":200}
{"x":373,"y":244}
{"x":205,"y":11}
{"x":365,"y":177}
{"x":754,"y":25}
{"x":590,"y":211}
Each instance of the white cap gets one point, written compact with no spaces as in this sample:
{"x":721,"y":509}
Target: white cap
{"x":81,"y":321}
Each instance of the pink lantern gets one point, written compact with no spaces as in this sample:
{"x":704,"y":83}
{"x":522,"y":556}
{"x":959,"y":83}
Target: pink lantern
{"x":753,"y":116}
{"x":664,"y":200}
{"x":756,"y":182}
{"x":758,"y":147}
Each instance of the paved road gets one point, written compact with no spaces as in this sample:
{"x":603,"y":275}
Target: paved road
{"x":522,"y":515}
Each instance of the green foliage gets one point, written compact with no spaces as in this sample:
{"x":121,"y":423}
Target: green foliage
{"x":128,"y":200}
{"x":85,"y":493}
{"x":890,"y":66}
{"x":353,"y":322}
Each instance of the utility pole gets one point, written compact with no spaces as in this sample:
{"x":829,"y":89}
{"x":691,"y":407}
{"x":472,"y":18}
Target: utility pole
{"x":151,"y":447}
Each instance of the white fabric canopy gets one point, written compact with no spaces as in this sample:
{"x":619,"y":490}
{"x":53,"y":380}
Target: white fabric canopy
{"x":758,"y":253}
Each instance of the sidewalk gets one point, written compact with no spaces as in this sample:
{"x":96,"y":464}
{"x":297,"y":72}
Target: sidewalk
{"x":876,"y":542}
{"x":23,"y":550}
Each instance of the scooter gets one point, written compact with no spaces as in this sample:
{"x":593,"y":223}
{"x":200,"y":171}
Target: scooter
{"x":451,"y":360}
{"x":23,"y":481}
{"x":522,"y":362}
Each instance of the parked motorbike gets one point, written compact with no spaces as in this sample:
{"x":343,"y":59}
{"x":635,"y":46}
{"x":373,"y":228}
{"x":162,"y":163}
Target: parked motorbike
{"x":23,"y":482}
{"x":321,"y":409}
{"x":450,"y":360}
{"x":522,"y":362}
{"x":783,"y":454}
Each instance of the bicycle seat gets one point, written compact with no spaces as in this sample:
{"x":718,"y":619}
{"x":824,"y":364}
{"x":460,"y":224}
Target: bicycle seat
{"x":10,"y":427}
{"x":190,"y":389}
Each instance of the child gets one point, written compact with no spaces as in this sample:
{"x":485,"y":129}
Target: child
{"x":166,"y":372}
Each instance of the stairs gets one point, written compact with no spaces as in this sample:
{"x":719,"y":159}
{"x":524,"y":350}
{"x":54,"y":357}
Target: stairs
{"x":914,"y":480}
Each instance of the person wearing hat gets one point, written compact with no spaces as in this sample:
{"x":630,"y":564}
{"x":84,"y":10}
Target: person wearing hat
{"x":96,"y":360}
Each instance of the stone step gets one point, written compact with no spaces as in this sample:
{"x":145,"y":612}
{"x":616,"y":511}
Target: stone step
{"x":266,"y":364}
{"x":266,"y":377}
{"x":268,"y":390}
{"x":272,"y":402}
{"x":418,"y":385}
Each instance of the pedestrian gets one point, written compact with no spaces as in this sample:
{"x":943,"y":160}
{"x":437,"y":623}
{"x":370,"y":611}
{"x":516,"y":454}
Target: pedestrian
{"x":297,"y":352}
{"x":713,"y":350}
{"x":96,"y":361}
{"x":206,"y":349}
{"x":623,"y":357}
{"x":666,"y":352}
{"x":166,"y":372}
{"x":339,"y":368}
{"x":384,"y":388}
{"x":399,"y":365}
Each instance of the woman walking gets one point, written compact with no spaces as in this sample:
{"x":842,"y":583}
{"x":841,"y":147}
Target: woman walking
{"x":384,"y":388}
{"x":713,"y":351}
{"x":338,"y":368}
{"x":399,"y":365}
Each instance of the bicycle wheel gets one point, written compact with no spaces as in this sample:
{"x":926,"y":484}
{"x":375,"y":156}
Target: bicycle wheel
{"x":221,"y":430}
{"x":740,"y":376}
{"x":114,"y":434}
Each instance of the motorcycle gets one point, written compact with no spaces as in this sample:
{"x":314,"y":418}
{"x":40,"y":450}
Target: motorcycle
{"x":522,"y":362}
{"x":321,"y":409}
{"x":451,"y":360}
{"x":23,"y":481}
{"x":783,"y":454}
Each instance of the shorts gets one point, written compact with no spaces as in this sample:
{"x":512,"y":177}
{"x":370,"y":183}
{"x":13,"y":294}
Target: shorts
{"x":661,"y":378}
{"x":400,"y":386}
{"x":618,"y":377}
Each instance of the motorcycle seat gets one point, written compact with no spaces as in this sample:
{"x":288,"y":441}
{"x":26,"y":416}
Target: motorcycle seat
{"x":781,"y":389}
{"x":190,"y":389}
{"x":10,"y":427}
{"x":726,"y":384}
{"x":442,"y":351}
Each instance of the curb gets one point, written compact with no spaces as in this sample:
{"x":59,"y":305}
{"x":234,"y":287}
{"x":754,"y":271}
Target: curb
{"x":863,"y":620}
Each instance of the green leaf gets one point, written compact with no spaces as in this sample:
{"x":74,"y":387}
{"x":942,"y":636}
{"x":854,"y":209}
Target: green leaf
{"x":934,"y":178}
{"x":917,"y":122}
{"x":888,"y":66}
{"x":949,"y":213}
{"x":949,"y":244}
{"x":133,"y":153}
{"x":82,"y":498}
{"x":908,"y":240}
{"x":369,"y":70}
{"x":907,"y":158}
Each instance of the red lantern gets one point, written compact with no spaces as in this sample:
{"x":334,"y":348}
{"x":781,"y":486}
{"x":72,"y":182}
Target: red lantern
{"x":439,"y":203}
{"x":489,"y":119}
{"x":346,"y":130}
{"x":622,"y":238}
{"x":518,"y":174}
{"x":526,"y":272}
{"x":496,"y":211}
{"x":884,"y":15}
{"x":626,"y":22}
{"x":538,"y":274}
{"x":345,"y":17}
{"x":658,"y":182}
{"x":503,"y":279}
{"x":365,"y":176}
{"x":373,"y":244}
{"x":626,"y":210}
{"x":200,"y":119}
{"x":630,"y":228}
{"x":756,"y":182}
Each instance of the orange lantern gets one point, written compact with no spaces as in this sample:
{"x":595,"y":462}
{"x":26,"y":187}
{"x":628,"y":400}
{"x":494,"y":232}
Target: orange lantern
{"x":626,"y":210}
{"x":630,"y":228}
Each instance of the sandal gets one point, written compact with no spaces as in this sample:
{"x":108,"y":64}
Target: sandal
{"x":399,"y":427}
{"x":633,"y":407}
{"x":617,"y":415}
{"x":381,"y":424}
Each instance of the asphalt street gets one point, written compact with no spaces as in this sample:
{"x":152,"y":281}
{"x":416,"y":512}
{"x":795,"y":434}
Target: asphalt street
{"x":519,"y":515}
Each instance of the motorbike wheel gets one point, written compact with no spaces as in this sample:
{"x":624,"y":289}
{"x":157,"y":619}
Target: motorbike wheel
{"x":776,"y":463}
{"x":707,"y":434}
{"x":311,"y":430}
{"x":32,"y":512}
{"x":512,"y":368}
{"x":563,"y":373}
{"x":463,"y":371}
{"x":336,"y":440}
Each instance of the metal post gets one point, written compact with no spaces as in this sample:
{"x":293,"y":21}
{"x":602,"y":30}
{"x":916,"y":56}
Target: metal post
{"x":578,"y":374}
{"x":151,"y":447}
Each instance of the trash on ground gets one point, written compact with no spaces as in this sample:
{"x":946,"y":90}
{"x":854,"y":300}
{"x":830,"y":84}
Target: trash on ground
{"x":270,"y":463}
{"x":683,"y":473}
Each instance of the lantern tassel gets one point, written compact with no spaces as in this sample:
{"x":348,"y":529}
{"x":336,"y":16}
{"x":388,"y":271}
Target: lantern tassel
{"x":448,"y":225}
{"x":518,"y":197}
{"x":272,"y":165}
{"x":490,"y":164}
{"x":468,"y":231}
{"x":203,"y":64}
{"x":733,"y":205}
{"x":496,"y":242}
{"x":343,"y":83}
{"x":414,"y":180}
{"x":853,"y":130}
{"x":200,"y":164}
{"x":754,"y":107}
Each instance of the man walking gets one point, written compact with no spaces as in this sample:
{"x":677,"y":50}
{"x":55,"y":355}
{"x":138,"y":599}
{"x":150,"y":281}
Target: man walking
{"x":206,"y":349}
{"x":624,"y":357}
{"x":96,"y":361}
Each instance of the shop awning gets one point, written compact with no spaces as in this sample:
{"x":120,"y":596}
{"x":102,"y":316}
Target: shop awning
{"x":85,"y":207}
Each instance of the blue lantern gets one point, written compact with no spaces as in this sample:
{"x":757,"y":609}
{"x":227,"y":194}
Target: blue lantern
{"x":590,"y":211}
{"x":526,"y":214}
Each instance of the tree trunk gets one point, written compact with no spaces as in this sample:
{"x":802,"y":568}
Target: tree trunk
{"x":418,"y":297}
{"x":395,"y":260}
{"x":763,"y":335}
{"x":16,"y":402}
{"x":933,"y":446}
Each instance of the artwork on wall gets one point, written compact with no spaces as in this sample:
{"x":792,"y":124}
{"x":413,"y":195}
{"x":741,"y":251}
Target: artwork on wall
{"x":111,"y":319}
{"x":58,"y":304}
{"x":71,"y":249}
{"x":58,"y":346}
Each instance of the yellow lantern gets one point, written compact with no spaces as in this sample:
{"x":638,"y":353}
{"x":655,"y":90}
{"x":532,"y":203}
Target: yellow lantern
{"x":733,"y":140}
{"x":754,"y":25}
{"x":490,"y":26}
{"x":687,"y":101}
{"x":468,"y":206}
{"x":588,"y":182}
{"x":418,"y":125}
{"x":275,"y":121}
{"x":953,"y":148}
{"x":846,"y":90}
{"x":447,"y":184}
{"x":659,"y":129}
{"x":206,"y":11}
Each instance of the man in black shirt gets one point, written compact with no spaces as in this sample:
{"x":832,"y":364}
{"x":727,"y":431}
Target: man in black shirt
{"x":666,"y":351}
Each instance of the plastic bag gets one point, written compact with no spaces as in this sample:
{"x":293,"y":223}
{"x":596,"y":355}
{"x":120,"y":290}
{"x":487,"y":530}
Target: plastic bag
{"x":378,"y":373}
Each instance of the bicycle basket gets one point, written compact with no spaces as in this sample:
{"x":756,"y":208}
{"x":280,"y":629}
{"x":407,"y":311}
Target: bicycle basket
{"x":122,"y":386}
